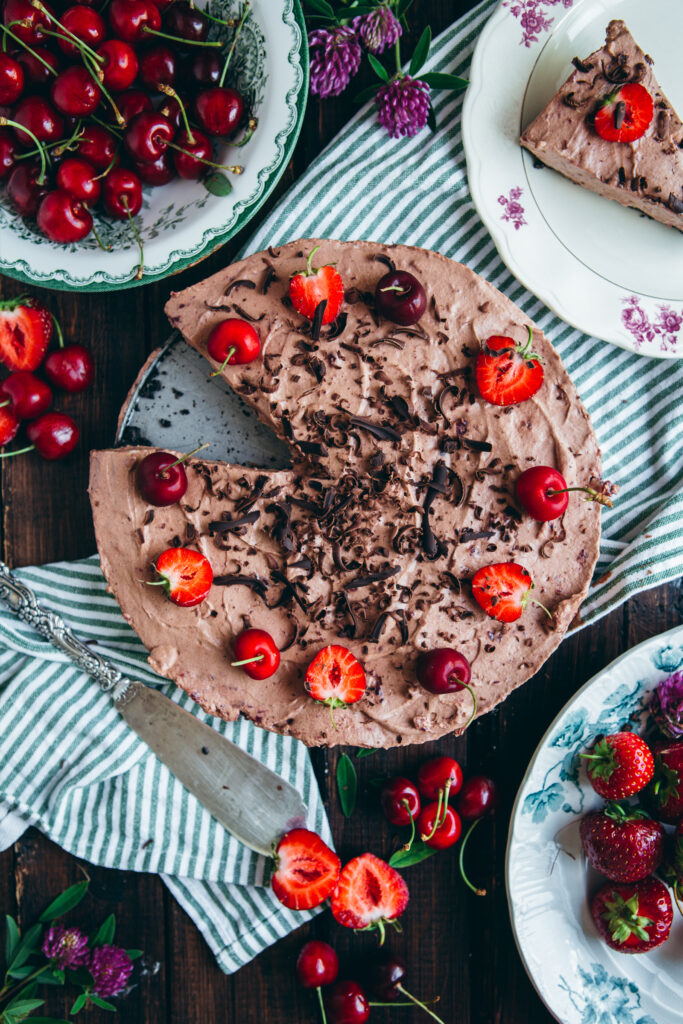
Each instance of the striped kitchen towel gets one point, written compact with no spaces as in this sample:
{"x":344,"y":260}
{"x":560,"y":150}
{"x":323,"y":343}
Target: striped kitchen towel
{"x":70,"y":765}
{"x":368,"y":186}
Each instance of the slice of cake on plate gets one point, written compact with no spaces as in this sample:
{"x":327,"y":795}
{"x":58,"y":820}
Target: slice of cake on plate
{"x":611,"y":129}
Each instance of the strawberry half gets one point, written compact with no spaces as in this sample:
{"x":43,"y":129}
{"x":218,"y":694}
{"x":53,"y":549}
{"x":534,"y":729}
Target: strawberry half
{"x":25,"y":332}
{"x":619,"y":765}
{"x":622,"y":843}
{"x":306,"y":870}
{"x":508,"y":373}
{"x":186,"y":576}
{"x":369,"y":894}
{"x":503,"y":590}
{"x":9,"y":425}
{"x":335,"y":678}
{"x":625,"y":115}
{"x":633,"y":918}
{"x":315,"y":285}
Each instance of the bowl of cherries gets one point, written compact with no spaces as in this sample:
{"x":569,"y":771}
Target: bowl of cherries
{"x":136,"y":136}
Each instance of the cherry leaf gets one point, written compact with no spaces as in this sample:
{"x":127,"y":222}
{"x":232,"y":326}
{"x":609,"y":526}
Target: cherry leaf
{"x":217,"y":184}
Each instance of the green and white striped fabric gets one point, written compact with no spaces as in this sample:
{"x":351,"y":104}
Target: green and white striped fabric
{"x":71,"y":766}
{"x":414,"y":191}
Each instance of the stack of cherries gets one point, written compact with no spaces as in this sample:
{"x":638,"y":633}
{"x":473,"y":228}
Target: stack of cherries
{"x":92,"y":109}
{"x":26,"y":330}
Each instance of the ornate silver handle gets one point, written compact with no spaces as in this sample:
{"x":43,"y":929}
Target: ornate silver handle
{"x":23,"y":603}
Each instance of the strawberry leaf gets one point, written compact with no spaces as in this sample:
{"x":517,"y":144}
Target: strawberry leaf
{"x":421,"y":52}
{"x":65,"y":902}
{"x":405,"y":858}
{"x":378,"y":68}
{"x":436,"y":80}
{"x":347,"y":785}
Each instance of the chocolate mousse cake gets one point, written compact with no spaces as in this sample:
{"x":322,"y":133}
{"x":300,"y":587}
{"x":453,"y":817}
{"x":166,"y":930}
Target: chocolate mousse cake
{"x":611,"y":129}
{"x":402,"y":488}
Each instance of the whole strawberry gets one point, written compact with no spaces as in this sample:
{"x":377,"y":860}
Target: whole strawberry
{"x":619,"y":765}
{"x":667,"y":784}
{"x":633,"y":918}
{"x":622,"y":843}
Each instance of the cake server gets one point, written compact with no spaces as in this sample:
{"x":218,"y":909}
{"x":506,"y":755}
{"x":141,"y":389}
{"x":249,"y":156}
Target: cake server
{"x":247,"y":798}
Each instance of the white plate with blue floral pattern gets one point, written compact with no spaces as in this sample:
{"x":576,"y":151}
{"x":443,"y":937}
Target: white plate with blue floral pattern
{"x":182,"y":223}
{"x":579,"y":978}
{"x":609,"y":271}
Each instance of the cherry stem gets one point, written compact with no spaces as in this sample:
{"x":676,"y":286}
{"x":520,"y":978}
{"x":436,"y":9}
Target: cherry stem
{"x":103,"y":247}
{"x":6,"y":121}
{"x":138,"y":275}
{"x":26,"y":47}
{"x":110,"y":165}
{"x":63,"y":145}
{"x":177,"y":39}
{"x":525,"y":350}
{"x":461,"y":861}
{"x":247,"y":661}
{"x":168,"y":90}
{"x":323,"y":1015}
{"x":69,"y":37}
{"x":19,"y":451}
{"x":230,"y":23}
{"x":251,"y":128}
{"x":410,"y":842}
{"x":232,"y":46}
{"x":98,"y":75}
{"x":107,"y":125}
{"x":473,"y":695}
{"x":601,"y":499}
{"x":417,"y":1002}
{"x":233,"y":168}
{"x":6,"y":402}
{"x":183,"y":457}
{"x":395,"y":288}
{"x":231,"y":352}
{"x":437,"y":822}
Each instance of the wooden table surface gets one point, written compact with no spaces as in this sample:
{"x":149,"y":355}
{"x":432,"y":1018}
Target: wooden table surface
{"x":457,"y":945}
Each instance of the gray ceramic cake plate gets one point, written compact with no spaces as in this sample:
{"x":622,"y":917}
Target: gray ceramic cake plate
{"x":174,"y":404}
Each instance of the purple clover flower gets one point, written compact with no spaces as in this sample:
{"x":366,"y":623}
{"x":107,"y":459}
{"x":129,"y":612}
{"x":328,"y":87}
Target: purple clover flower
{"x":111,"y":967}
{"x":335,"y":59}
{"x":378,"y":30}
{"x":66,"y":947}
{"x":666,"y":706}
{"x":403,"y":106}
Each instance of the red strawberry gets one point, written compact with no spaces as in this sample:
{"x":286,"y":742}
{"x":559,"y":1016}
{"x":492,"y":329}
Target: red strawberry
{"x":306,"y":870}
{"x":667,"y":786}
{"x":369,"y":893}
{"x":313,"y":286}
{"x":620,"y":765}
{"x":622,"y":843}
{"x":625,"y":115}
{"x":502,"y":590}
{"x":25,"y":332}
{"x":335,"y":678}
{"x":633,"y":918}
{"x":9,"y":425}
{"x":672,"y":868}
{"x":508,"y":372}
{"x":186,"y":576}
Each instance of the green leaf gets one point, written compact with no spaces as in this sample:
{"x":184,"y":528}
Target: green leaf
{"x":405,"y":858}
{"x":421,"y":51}
{"x":217,"y":184}
{"x":27,"y":946}
{"x":365,"y":94}
{"x":322,"y":7}
{"x":55,"y":977}
{"x":79,"y":1004}
{"x":69,"y":899}
{"x":378,"y":68}
{"x":102,"y":1003}
{"x":12,"y":937}
{"x":347,"y":784}
{"x":366,"y":751}
{"x":403,"y":7}
{"x":21,"y":1006}
{"x":431,"y":119}
{"x":105,"y":933}
{"x":134,"y":953}
{"x":435,"y":80}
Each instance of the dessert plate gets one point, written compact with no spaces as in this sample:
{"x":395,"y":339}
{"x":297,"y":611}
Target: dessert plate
{"x":607,"y":270}
{"x":182,"y":222}
{"x":577,"y":976}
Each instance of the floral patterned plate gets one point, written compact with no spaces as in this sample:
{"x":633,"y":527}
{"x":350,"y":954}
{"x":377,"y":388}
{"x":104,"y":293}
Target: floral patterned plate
{"x":182,"y":223}
{"x":607,"y":270}
{"x":578,"y":977}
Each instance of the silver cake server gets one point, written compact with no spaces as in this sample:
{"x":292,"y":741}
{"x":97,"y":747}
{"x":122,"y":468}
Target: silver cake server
{"x":252,"y":802}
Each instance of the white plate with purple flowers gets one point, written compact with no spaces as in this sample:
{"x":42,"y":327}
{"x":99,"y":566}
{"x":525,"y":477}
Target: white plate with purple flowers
{"x":601,"y":267}
{"x":579,"y":978}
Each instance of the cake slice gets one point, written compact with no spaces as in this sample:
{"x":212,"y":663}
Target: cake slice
{"x":611,"y":129}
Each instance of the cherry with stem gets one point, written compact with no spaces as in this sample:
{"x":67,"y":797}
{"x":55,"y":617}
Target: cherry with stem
{"x":6,"y":122}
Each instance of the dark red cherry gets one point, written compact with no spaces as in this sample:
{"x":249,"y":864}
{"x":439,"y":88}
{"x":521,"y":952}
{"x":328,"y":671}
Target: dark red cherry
{"x":34,"y":69}
{"x":162,"y":479}
{"x":439,"y":826}
{"x":158,"y":66}
{"x":478,"y":796}
{"x":41,"y":118}
{"x":25,"y":189}
{"x":233,"y":341}
{"x":346,"y":1003}
{"x":70,"y":368}
{"x":25,"y":395}
{"x":443,"y":670}
{"x":8,"y":151}
{"x":186,"y":22}
{"x":535,"y":489}
{"x":148,"y":135}
{"x":400,"y":801}
{"x":63,"y":218}
{"x":53,"y":434}
{"x":219,"y":110}
{"x":76,"y":176}
{"x":120,"y":66}
{"x":189,"y":164}
{"x":256,"y":653}
{"x":75,"y":92}
{"x":122,"y":193}
{"x":26,"y":21}
{"x":170,"y":109}
{"x":158,"y":173}
{"x":86,"y":24}
{"x":400,"y":297}
{"x":205,"y":68}
{"x":385,"y":976}
{"x":11,"y":79}
{"x":133,"y":102}
{"x":439,"y":775}
{"x":317,"y":965}
{"x":97,"y":146}
{"x":129,"y":19}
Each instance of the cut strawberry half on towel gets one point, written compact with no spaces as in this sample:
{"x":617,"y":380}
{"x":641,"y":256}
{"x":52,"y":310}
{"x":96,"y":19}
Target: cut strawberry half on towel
{"x":25,"y":332}
{"x":502,"y":590}
{"x":306,"y":870}
{"x":369,"y":894}
{"x":335,"y":677}
{"x":625,"y":114}
{"x":315,"y":285}
{"x":508,"y":372}
{"x":186,"y":576}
